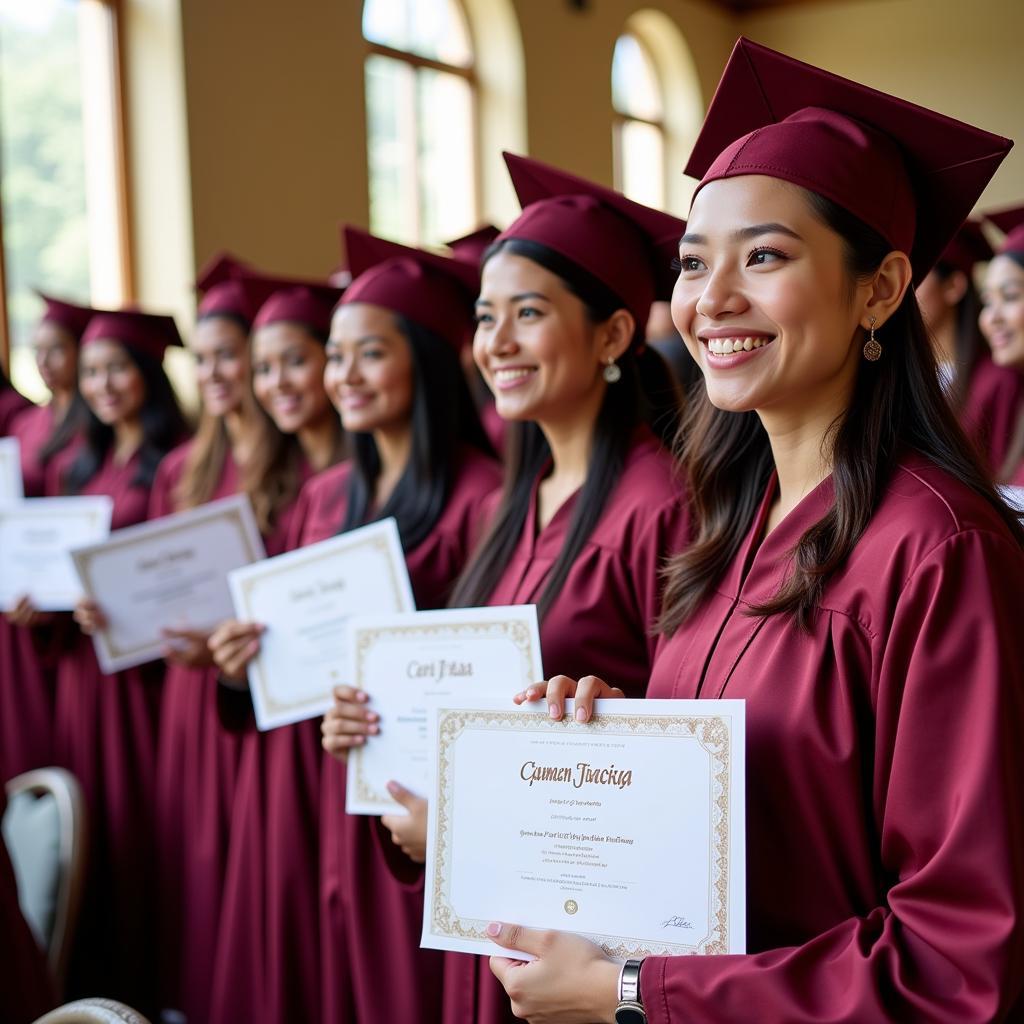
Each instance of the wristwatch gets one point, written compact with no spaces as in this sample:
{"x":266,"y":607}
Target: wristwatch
{"x":630,"y":1010}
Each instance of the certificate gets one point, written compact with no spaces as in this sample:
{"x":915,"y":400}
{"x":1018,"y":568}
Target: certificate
{"x":170,"y":573}
{"x":305,"y":598}
{"x":36,"y":538}
{"x":11,"y":488}
{"x":628,"y":830}
{"x":404,"y":662}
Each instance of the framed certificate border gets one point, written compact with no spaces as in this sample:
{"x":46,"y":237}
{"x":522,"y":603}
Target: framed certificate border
{"x":713,"y":733}
{"x":381,"y":537}
{"x":236,"y":510}
{"x":510,"y":623}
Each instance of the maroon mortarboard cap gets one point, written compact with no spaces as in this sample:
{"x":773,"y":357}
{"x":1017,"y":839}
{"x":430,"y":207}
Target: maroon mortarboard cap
{"x":223,"y":294}
{"x":626,"y":246}
{"x":71,"y":317}
{"x":309,"y":303}
{"x":1011,"y":222}
{"x":969,"y":246}
{"x":909,"y":173}
{"x":434,"y":291}
{"x":149,"y":333}
{"x":472,"y":247}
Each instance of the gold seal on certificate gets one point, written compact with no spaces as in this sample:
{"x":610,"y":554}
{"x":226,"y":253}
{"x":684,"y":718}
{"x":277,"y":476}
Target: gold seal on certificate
{"x":404,"y":662}
{"x":305,"y":599}
{"x":11,"y":488}
{"x":170,"y":573}
{"x":628,"y":830}
{"x":36,"y":539}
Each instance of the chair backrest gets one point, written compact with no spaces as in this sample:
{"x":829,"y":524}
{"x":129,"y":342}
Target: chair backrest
{"x":93,"y":1011}
{"x":44,"y":828}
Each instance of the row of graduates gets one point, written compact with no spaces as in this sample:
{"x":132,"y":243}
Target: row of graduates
{"x":836,"y":555}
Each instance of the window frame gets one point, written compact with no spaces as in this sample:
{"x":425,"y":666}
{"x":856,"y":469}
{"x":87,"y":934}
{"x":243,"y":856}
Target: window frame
{"x":418,"y":64}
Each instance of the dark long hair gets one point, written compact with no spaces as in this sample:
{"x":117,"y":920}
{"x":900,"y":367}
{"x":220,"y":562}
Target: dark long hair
{"x":646,"y":393}
{"x":163,"y":427}
{"x":443,"y":417}
{"x":897,"y":406}
{"x":70,"y":426}
{"x":1015,"y":451}
{"x":970,"y":344}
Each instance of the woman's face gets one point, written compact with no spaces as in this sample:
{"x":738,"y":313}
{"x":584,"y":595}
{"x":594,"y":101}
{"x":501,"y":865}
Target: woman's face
{"x":1002,"y":312}
{"x":534,"y":343}
{"x":288,"y":376}
{"x":56,"y":357}
{"x":110,"y":382}
{"x":221,"y":350}
{"x":369,"y":375}
{"x":763,"y":299}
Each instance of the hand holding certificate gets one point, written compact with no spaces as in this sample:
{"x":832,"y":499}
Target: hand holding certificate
{"x":36,"y":539}
{"x":167,"y":574}
{"x":305,"y":598}
{"x":403,"y":662}
{"x":628,"y":830}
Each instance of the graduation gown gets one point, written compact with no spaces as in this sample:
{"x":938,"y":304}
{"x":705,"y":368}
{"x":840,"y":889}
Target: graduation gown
{"x":885,"y":780}
{"x":992,"y":407}
{"x":197,"y":767}
{"x":12,"y":402}
{"x":266,"y":961}
{"x":25,"y":987}
{"x":106,"y":735}
{"x":28,"y":666}
{"x":371,"y":894}
{"x":600,"y":623}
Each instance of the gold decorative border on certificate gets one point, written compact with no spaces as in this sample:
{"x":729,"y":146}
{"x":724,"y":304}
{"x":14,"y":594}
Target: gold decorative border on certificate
{"x":516,"y":631}
{"x":84,"y":560}
{"x":378,"y":544}
{"x":713,"y":734}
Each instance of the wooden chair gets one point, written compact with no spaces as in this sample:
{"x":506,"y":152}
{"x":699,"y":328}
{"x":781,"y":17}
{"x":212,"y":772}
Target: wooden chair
{"x":72,"y":845}
{"x":93,"y":1011}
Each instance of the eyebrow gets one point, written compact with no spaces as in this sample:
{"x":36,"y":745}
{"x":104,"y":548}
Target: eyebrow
{"x":516,"y":298}
{"x":366,"y":340}
{"x":745,"y":234}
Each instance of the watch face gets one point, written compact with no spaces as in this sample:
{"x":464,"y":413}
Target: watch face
{"x":630,"y":1013}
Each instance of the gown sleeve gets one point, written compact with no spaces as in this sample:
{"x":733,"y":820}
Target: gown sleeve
{"x":944,"y":943}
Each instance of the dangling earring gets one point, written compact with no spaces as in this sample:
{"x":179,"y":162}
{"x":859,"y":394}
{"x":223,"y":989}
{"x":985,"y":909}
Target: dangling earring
{"x":872,"y":349}
{"x":612,"y":373}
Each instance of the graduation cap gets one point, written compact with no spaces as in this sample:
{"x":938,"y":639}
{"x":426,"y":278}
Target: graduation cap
{"x":1011,"y":222}
{"x":625,"y":245}
{"x":223,"y":294}
{"x":437,"y":292}
{"x":309,"y":303}
{"x":71,"y":317}
{"x":909,"y":173}
{"x":472,"y":247}
{"x":149,"y":333}
{"x":969,"y":246}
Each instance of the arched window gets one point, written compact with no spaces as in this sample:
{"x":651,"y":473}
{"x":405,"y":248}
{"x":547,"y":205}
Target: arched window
{"x":420,"y":107}
{"x":639,"y":125}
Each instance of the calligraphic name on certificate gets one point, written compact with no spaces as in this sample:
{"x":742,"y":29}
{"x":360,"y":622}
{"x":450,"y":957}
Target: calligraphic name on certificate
{"x":11,"y":486}
{"x":305,"y":598}
{"x":170,"y":573}
{"x":628,"y":829}
{"x":37,"y":536}
{"x":404,"y":662}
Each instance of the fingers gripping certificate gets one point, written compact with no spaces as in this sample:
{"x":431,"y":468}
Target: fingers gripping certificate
{"x":628,"y":830}
{"x":404,"y":662}
{"x":305,"y":598}
{"x":171,"y":573}
{"x":36,"y":539}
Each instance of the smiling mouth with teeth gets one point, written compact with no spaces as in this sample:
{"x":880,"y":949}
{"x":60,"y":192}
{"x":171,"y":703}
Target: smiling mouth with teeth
{"x":728,"y":346}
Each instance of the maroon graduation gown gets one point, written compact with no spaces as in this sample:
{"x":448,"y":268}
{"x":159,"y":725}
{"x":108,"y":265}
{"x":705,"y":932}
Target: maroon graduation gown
{"x":992,"y":407}
{"x":25,"y":988}
{"x":197,"y":765}
{"x":106,"y":735}
{"x":27,"y":662}
{"x":371,"y":894}
{"x":266,"y":963}
{"x":12,"y":402}
{"x":885,"y":780}
{"x":600,"y":623}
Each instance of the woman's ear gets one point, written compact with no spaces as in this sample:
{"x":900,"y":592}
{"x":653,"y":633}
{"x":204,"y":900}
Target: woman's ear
{"x":615,"y":335}
{"x":885,"y":293}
